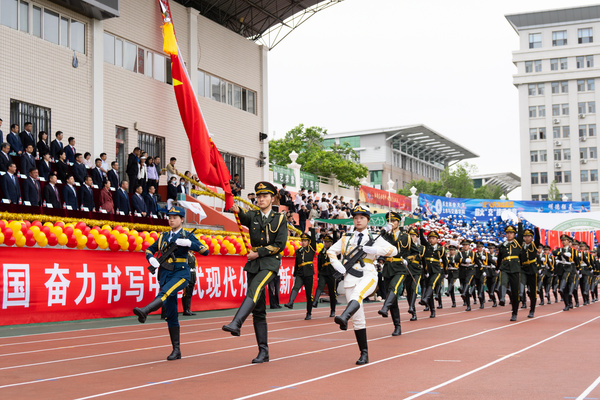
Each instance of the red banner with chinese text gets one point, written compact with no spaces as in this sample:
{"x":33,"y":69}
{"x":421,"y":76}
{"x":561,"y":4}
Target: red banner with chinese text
{"x":383,"y":198}
{"x":46,"y":285}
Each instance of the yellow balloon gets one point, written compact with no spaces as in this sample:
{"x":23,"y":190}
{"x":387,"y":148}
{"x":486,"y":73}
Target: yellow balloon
{"x":15,"y":226}
{"x":43,"y":243}
{"x":40,"y":237}
{"x":138,"y":247}
{"x":34,"y":229}
{"x":122,"y":240}
{"x":139,"y":240}
{"x":125,"y":246}
{"x":217,"y":249}
{"x":82,"y":240}
{"x":21,"y":241}
{"x":1,"y":237}
{"x":150,"y":241}
{"x":103,"y":245}
{"x":49,"y":224}
{"x":77,"y":233}
{"x":18,"y":235}
{"x":57,"y":230}
{"x":62,"y":239}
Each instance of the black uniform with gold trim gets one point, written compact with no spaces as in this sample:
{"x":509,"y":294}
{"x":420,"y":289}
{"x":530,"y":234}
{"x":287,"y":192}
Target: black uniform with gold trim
{"x":491,"y":280}
{"x":467,"y":261}
{"x":186,"y":299}
{"x":435,"y":262}
{"x":530,"y":267}
{"x":452,"y":272}
{"x":304,"y":272}
{"x":413,"y":254}
{"x":587,"y":273}
{"x":481,"y":275}
{"x":326,"y":275}
{"x":509,"y":261}
{"x":566,"y":258}
{"x":546,"y":275}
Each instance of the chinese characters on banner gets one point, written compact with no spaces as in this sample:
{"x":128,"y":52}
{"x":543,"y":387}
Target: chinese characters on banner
{"x":283,"y":175}
{"x":309,"y":181}
{"x":45,"y":285}
{"x":383,"y":198}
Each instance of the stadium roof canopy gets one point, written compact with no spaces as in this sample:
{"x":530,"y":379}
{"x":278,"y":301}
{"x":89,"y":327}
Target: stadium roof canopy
{"x":553,"y":17}
{"x":264,"y":21}
{"x":507,"y":181}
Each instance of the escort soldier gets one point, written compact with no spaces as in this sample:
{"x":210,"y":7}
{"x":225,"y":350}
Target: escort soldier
{"x":481,"y":273}
{"x":557,"y":275}
{"x":304,"y":271}
{"x":491,"y":280}
{"x":434,"y":261}
{"x":546,"y":273}
{"x":565,"y":257}
{"x":413,"y":255}
{"x":529,"y":261}
{"x":361,"y":279}
{"x":186,"y":299}
{"x":586,"y":273}
{"x":509,"y":262}
{"x":173,"y":275}
{"x":326,"y":273}
{"x":596,"y":269}
{"x":268,"y":236}
{"x":466,"y":272}
{"x":452,"y":273}
{"x":395,"y":270}
{"x":577,"y":275}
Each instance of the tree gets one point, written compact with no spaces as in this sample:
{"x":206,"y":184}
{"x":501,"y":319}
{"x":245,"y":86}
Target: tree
{"x":488,"y":192}
{"x":339,"y":161}
{"x":553,"y":192}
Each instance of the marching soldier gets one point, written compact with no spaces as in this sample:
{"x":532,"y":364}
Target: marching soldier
{"x":395,"y":270}
{"x":546,"y":275}
{"x":466,"y":272}
{"x":596,"y":269}
{"x":268,"y":236}
{"x":492,"y":273}
{"x":326,"y":273}
{"x":304,"y":271}
{"x":186,"y":299}
{"x":484,"y":261}
{"x":413,"y":255}
{"x":361,"y":279}
{"x":565,"y":257}
{"x":434,"y":261}
{"x":452,"y":273}
{"x":587,"y":273}
{"x":577,"y":275}
{"x":510,"y":267}
{"x":529,"y":261}
{"x":173,"y":275}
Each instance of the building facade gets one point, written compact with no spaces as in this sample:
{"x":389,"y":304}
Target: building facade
{"x":557,"y":70}
{"x":402,"y":154}
{"x":103,"y":79}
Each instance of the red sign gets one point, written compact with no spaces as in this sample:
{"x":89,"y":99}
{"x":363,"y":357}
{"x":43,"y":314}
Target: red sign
{"x":381,"y":197}
{"x":45,"y":285}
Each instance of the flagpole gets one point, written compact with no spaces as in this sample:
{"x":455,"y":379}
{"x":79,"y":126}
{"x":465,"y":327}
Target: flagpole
{"x":246,"y":243}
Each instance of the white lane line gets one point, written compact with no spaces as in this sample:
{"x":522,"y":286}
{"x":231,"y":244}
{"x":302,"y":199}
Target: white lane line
{"x":245,"y":347}
{"x":589,"y":389}
{"x":390,"y":358}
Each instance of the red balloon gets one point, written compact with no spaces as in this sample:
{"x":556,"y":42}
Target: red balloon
{"x":105,"y":232}
{"x":52,"y":239}
{"x":153,"y":235}
{"x":119,"y":228}
{"x":286,"y":251}
{"x":30,"y":241}
{"x":72,"y":243}
{"x":86,"y":230}
{"x":145,"y":245}
{"x":9,"y":241}
{"x":91,"y":244}
{"x":27,"y":224}
{"x":131,"y":239}
{"x":60,"y":224}
{"x":46,"y":230}
{"x":68,"y":231}
{"x":211,"y":247}
{"x":114,"y":246}
{"x":37,"y":223}
{"x":28,"y":234}
{"x":24,"y":229}
{"x":80,"y":225}
{"x":2,"y":224}
{"x":224,"y":250}
{"x":111,"y":239}
{"x":8,"y":233}
{"x":132,"y":246}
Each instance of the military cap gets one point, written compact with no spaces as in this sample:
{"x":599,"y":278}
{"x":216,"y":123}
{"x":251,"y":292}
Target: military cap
{"x":465,"y":241}
{"x":491,"y":245}
{"x":413,"y":231}
{"x":479,"y":243}
{"x":265,"y":187}
{"x":328,"y":238}
{"x":361,"y":210}
{"x":433,"y":234}
{"x":575,"y":241}
{"x":546,"y":247}
{"x":177,"y":211}
{"x":510,"y":228}
{"x":393,"y":216}
{"x":452,"y":247}
{"x":566,"y":237}
{"x":528,"y":232}
{"x":304,"y":236}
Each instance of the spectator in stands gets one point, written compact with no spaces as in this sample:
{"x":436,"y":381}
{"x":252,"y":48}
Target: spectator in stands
{"x":4,"y":157}
{"x":138,"y":204}
{"x":172,"y":191}
{"x":303,"y":214}
{"x":158,"y":170}
{"x":70,"y":150}
{"x":105,"y":200}
{"x":314,"y":212}
{"x":79,"y":170}
{"x":62,"y":168}
{"x":142,"y":176}
{"x":150,"y":200}
{"x":10,"y":184}
{"x":122,"y":199}
{"x":181,"y":188}
{"x":27,"y":159}
{"x":45,"y":168}
{"x":43,"y":146}
{"x":152,"y":174}
{"x":187,"y":184}
{"x":171,"y":170}
{"x":50,"y":192}
{"x":87,"y":195}
{"x":113,"y":175}
{"x":133,"y":167}
{"x":70,"y":193}
{"x":56,"y":146}
{"x":32,"y":191}
{"x":27,"y":138}
{"x":97,"y":176}
{"x":236,"y":186}
{"x":15,"y":141}
{"x":104,"y":167}
{"x":1,"y":134}
{"x":87,"y":160}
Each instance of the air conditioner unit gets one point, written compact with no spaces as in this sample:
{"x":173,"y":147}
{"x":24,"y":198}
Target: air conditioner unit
{"x":582,"y":138}
{"x":556,"y":121}
{"x":583,"y":161}
{"x":581,"y":116}
{"x":557,"y":165}
{"x":557,"y":143}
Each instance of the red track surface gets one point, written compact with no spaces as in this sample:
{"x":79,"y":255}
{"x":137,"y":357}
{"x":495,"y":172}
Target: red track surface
{"x":458,"y":355}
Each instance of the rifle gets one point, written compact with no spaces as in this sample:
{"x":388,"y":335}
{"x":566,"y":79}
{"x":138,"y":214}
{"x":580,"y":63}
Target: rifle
{"x":355,"y":256}
{"x":165,"y":255}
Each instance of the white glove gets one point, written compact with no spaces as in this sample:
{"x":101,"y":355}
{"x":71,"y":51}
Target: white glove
{"x":581,"y":275}
{"x":426,"y":275}
{"x":468,"y":260}
{"x":484,"y":274}
{"x":446,"y":276}
{"x":370,"y":250}
{"x":405,"y":262}
{"x":338,"y":266}
{"x":567,"y":254}
{"x":494,"y":258}
{"x":154,"y":262}
{"x":183,"y":242}
{"x":388,"y":228}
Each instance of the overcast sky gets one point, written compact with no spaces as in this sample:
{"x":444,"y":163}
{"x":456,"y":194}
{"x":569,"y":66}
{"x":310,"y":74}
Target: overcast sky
{"x":364,"y":64}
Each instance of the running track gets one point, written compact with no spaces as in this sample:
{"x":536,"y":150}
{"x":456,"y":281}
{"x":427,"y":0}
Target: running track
{"x":458,"y":355}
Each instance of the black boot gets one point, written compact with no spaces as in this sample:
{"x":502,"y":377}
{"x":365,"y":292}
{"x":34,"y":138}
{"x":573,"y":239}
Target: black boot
{"x":332,"y":313}
{"x":142,"y":313}
{"x":187,"y":305}
{"x":502,"y":298}
{"x":389,"y":300}
{"x":361,"y":339}
{"x":317,"y":295}
{"x":176,"y":353}
{"x":468,"y":301}
{"x":240,"y":316}
{"x":396,"y":319}
{"x":342,"y":320}
{"x":532,"y":308}
{"x":513,"y":317}
{"x":411,"y":308}
{"x":308,"y":316}
{"x":440,"y":306}
{"x":481,"y":301}
{"x":431,"y":308}
{"x":260,"y":331}
{"x":290,"y":304}
{"x":425,"y":298}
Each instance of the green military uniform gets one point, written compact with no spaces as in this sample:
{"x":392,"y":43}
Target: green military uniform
{"x":565,"y":258}
{"x":467,"y":260}
{"x":491,"y":280}
{"x":546,"y":266}
{"x":481,"y":274}
{"x":413,"y":254}
{"x":326,"y":277}
{"x":577,"y":275}
{"x":304,"y":272}
{"x":530,"y":266}
{"x":434,"y":261}
{"x":268,"y":237}
{"x":452,"y":274}
{"x":509,"y":261}
{"x":587,"y":273}
{"x":596,"y":272}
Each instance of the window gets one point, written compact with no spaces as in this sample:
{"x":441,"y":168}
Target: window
{"x":528,"y":66}
{"x":533,"y":134}
{"x":78,"y":36}
{"x":567,"y":176}
{"x":567,"y":154}
{"x":220,"y":90}
{"x":543,"y":131}
{"x":543,"y":155}
{"x":583,"y":175}
{"x":251,"y":102}
{"x":125,"y":54}
{"x":149,"y":64}
{"x":581,"y":85}
{"x":555,"y":110}
{"x":558,"y":176}
{"x":538,"y":65}
{"x":129,"y":56}
{"x":353,"y":141}
{"x":531,"y":89}
{"x":593,"y":152}
{"x":109,"y":48}
{"x":582,"y":130}
{"x":534,"y":178}
{"x":569,"y":196}
{"x":376,"y":177}
{"x":160,"y":68}
{"x":534,"y":156}
{"x":579,"y":61}
{"x":541,"y":111}
{"x":543,"y":177}
{"x":593,"y":175}
{"x":566,"y":131}
{"x":555,"y":88}
{"x":237,"y":97}
{"x":584,"y":35}
{"x":535,"y":197}
{"x":37,"y":22}
{"x":589,"y":60}
{"x":581,"y":108}
{"x":554,"y":64}
{"x":592,"y":130}
{"x":24,"y":16}
{"x":594,"y":196}
{"x":532,"y":111}
{"x":563,"y":63}
{"x":235,"y":164}
{"x":51,"y":26}
{"x":583,"y":153}
{"x":540,"y":88}
{"x":556,"y":132}
{"x":40,"y":117}
{"x":557,"y":155}
{"x":64,"y":32}
{"x":141,"y":60}
{"x":559,"y":38}
{"x":121,"y":150}
{"x":215,"y":88}
{"x":327,"y":143}
{"x":591,"y":84}
{"x":535,"y":40}
{"x":591,"y":107}
{"x":565,"y":108}
{"x":230,"y":93}
{"x":154,"y":145}
{"x":8,"y":13}
{"x":544,"y":197}
{"x":564,"y":87}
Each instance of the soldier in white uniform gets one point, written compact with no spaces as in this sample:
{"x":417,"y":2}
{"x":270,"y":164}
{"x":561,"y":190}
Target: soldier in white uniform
{"x":363,"y":285}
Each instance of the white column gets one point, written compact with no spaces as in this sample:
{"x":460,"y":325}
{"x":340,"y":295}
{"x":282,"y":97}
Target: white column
{"x":414,"y":198}
{"x":296,"y":168}
{"x":264,"y":110}
{"x":97,"y":31}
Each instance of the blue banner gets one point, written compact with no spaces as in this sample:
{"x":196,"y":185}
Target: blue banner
{"x":484,"y":209}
